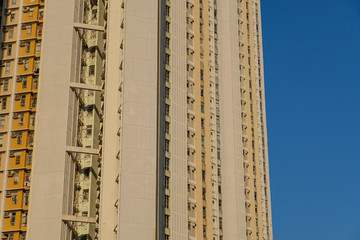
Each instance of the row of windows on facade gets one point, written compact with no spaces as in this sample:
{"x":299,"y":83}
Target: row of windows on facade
{"x":15,"y":175}
{"x":18,"y":158}
{"x":19,"y":139}
{"x":22,"y":102}
{"x":11,"y":236}
{"x":14,"y":2}
{"x":26,"y":63}
{"x":24,"y":83}
{"x":15,"y":197}
{"x":27,"y":46}
{"x":30,"y":12}
{"x":29,"y":30}
{"x":12,"y":216}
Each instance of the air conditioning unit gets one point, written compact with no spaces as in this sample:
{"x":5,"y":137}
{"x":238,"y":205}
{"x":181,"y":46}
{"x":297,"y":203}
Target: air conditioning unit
{"x":18,"y":79}
{"x":8,"y":194}
{"x":21,"y":61}
{"x":13,"y":134}
{"x":27,"y":184}
{"x":23,"y":26}
{"x":17,"y":97}
{"x":8,"y":12}
{"x":11,"y":173}
{"x":16,"y":115}
{"x":26,"y":9}
{"x":6,"y":214}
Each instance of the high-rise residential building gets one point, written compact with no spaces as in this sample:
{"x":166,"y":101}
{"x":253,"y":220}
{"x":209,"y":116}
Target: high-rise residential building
{"x":133,"y":119}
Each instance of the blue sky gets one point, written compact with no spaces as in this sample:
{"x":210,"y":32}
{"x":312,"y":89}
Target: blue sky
{"x":312,"y":65}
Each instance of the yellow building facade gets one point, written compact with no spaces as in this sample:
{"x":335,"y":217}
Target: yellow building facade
{"x":21,"y":47}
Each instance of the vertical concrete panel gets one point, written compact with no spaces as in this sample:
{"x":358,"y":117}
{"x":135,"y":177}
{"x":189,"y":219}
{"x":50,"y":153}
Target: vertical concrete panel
{"x":137,"y":196}
{"x":49,"y":170}
{"x":232,"y":168}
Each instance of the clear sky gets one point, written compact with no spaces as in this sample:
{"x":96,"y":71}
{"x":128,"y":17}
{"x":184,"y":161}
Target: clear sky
{"x":312,"y":66}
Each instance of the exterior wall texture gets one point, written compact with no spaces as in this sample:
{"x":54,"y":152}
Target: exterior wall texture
{"x":133,"y":119}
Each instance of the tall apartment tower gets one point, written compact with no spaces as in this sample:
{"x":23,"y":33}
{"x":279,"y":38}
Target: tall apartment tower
{"x":133,"y":120}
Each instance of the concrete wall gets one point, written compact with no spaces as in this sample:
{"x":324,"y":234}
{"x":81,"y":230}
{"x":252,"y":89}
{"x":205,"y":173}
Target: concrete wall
{"x":48,"y":199}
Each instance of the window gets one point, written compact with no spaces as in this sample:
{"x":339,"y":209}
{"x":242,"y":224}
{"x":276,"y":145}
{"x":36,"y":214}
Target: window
{"x":88,"y":130}
{"x":204,"y":194}
{"x":167,"y":26}
{"x":12,"y":16}
{"x":24,"y":83}
{"x":86,"y":195}
{"x":167,"y":109}
{"x":6,"y":85}
{"x":13,"y":2}
{"x":9,"y":50}
{"x":32,"y":120}
{"x":167,"y":221}
{"x":26,"y":64}
{"x":203,"y":175}
{"x":2,"y":121}
{"x":204,"y":212}
{"x":1,"y":140}
{"x":167,"y":10}
{"x":204,"y":231}
{"x":201,"y":13}
{"x":203,"y":140}
{"x":202,"y":91}
{"x":92,"y":70}
{"x":12,"y":218}
{"x":29,"y":30}
{"x":27,"y":47}
{"x":39,"y":30}
{"x":31,"y":13}
{"x":14,"y":198}
{"x":201,"y":27}
{"x":22,"y":236}
{"x":16,"y":178}
{"x":202,"y":107}
{"x":7,"y":67}
{"x":3,"y":103}
{"x":28,"y":159}
{"x":11,"y":235}
{"x":11,"y":32}
{"x":24,"y":219}
{"x":167,"y":92}
{"x":33,"y":101}
{"x":167,"y":42}
{"x":38,"y":48}
{"x":21,"y":119}
{"x":86,"y":173}
{"x":167,"y":163}
{"x":167,"y":200}
{"x":35,"y":83}
{"x":17,"y":158}
{"x":22,"y":100}
{"x":167,"y":75}
{"x":27,"y":179}
{"x":167,"y":127}
{"x":167,"y":59}
{"x":19,"y":138}
{"x":167,"y":182}
{"x":41,"y":14}
{"x":202,"y":124}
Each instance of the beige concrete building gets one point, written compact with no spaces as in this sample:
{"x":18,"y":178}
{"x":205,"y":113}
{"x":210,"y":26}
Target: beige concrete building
{"x":133,"y":119}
